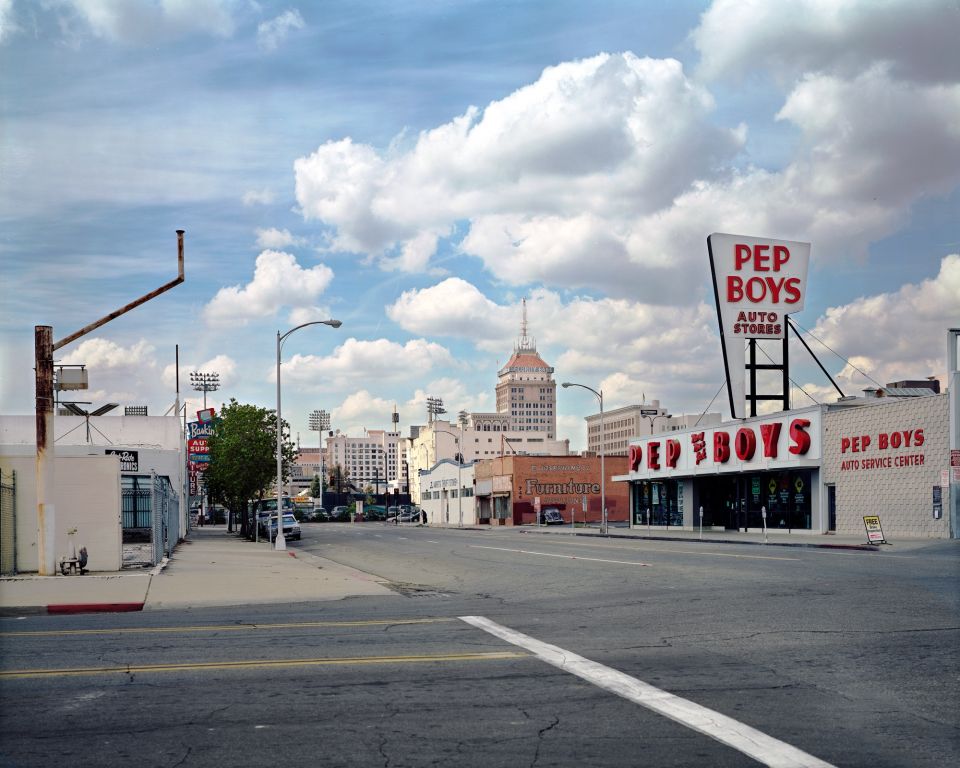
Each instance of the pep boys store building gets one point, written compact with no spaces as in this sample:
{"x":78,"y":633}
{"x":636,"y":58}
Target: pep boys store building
{"x":733,"y":471}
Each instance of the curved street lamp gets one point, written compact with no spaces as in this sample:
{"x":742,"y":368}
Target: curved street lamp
{"x":280,"y":542}
{"x":603,"y":474}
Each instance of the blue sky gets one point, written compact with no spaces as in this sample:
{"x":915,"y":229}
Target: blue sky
{"x":416,"y":169}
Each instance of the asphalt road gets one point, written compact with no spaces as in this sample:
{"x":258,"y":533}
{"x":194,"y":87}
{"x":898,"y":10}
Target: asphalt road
{"x":507,"y":648}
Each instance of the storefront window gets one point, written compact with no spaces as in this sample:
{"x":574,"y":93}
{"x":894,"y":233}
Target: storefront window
{"x":657,"y":502}
{"x":736,"y":502}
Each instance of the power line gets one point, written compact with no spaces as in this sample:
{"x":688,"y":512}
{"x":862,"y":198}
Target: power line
{"x":862,"y":373}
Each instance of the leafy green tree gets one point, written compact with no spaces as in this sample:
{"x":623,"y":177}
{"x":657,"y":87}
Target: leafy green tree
{"x":316,"y":487}
{"x":243,"y":456}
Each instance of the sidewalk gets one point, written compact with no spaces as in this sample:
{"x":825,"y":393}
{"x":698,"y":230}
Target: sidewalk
{"x":211,"y":567}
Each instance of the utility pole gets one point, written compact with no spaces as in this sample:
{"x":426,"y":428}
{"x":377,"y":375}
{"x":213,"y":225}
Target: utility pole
{"x":44,"y":347}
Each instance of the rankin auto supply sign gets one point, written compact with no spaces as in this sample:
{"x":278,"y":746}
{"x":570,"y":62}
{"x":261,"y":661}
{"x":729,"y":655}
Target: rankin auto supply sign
{"x":757,"y":282}
{"x":772,"y":443}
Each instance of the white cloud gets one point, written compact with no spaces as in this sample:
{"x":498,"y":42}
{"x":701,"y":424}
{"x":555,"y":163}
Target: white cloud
{"x":898,"y":335}
{"x":618,"y":332}
{"x":7,"y":24}
{"x":271,"y":33}
{"x":365,"y":360}
{"x":277,"y":238}
{"x":453,"y":307}
{"x":278,"y":280}
{"x":263,"y":196}
{"x":102,"y":354}
{"x":224,"y":365}
{"x":141,"y":22}
{"x":917,"y":38}
{"x":585,"y":149}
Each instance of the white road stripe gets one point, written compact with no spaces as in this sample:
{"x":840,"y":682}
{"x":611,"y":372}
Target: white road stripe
{"x":565,"y":557}
{"x":749,"y":741}
{"x":628,"y":548}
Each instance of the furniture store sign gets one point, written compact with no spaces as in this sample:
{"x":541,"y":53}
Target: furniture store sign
{"x":771,"y":443}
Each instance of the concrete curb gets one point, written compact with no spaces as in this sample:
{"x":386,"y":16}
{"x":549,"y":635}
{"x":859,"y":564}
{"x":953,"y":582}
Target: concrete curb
{"x":802,"y":544}
{"x":94,"y":608}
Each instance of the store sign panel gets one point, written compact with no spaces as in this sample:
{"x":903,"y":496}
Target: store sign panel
{"x":774,"y":443}
{"x":757,"y":282}
{"x":891,"y":449}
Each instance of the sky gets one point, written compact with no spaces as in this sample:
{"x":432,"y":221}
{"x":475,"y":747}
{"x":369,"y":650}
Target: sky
{"x":418,"y":169}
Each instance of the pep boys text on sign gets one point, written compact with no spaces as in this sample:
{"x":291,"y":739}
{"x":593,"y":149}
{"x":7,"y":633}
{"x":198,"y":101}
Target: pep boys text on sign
{"x":758,"y":281}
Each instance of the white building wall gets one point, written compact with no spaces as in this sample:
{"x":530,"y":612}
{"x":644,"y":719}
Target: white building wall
{"x":902,"y":493}
{"x":87,"y":497}
{"x":447,"y":494}
{"x":441,"y":440}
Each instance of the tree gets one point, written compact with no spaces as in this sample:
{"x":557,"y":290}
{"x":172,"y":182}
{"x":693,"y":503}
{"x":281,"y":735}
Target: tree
{"x":339,"y":476}
{"x":316,"y":487}
{"x":243,"y":456}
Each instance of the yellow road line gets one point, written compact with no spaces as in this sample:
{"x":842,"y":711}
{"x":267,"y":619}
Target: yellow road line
{"x":262,"y":664}
{"x":221,"y":627}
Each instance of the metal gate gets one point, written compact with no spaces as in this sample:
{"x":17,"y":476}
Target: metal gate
{"x":166,"y":517}
{"x":8,"y":523}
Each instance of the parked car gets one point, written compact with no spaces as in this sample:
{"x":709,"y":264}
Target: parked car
{"x":551,"y":516}
{"x":315,"y":515}
{"x":340,"y":514}
{"x":291,"y":528}
{"x":374,"y":512}
{"x":407,"y":513}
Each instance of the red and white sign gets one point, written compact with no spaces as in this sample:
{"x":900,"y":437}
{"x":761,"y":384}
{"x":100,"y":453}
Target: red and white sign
{"x":764,"y":443}
{"x":758,"y":282}
{"x":883,"y":450}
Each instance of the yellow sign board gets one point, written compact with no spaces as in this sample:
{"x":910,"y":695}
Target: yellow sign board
{"x":874,"y":530}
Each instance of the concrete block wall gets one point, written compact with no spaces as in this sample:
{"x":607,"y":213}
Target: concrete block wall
{"x":902,"y":493}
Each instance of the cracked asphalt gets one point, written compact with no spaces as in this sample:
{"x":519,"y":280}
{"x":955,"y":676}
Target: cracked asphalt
{"x":849,"y":657}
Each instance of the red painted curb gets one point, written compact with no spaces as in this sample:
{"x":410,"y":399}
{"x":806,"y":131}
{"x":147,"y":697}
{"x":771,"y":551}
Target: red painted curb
{"x":95,"y":608}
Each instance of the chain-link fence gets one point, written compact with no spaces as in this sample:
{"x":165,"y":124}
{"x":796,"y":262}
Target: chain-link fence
{"x":8,"y":523}
{"x":166,"y":517}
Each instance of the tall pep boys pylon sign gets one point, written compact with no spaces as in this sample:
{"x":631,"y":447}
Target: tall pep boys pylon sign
{"x":757,"y":282}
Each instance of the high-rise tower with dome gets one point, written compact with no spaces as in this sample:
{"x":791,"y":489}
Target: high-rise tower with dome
{"x":526,"y":389}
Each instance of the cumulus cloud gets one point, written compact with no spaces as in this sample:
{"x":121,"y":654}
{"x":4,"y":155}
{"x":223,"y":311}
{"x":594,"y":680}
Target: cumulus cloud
{"x":916,"y":38}
{"x":897,"y":335}
{"x":453,"y":307}
{"x":271,"y":33}
{"x":277,"y":238}
{"x":103,"y":354}
{"x":617,"y":332}
{"x":362,"y":360}
{"x":124,"y":22}
{"x":224,"y":365}
{"x":586,"y":148}
{"x":278,"y":280}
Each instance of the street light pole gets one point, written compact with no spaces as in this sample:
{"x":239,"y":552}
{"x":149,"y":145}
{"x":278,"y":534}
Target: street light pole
{"x":280,"y":542}
{"x":603,"y":473}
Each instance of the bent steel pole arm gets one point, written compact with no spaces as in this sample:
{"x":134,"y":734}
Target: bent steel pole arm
{"x":133,"y":304}
{"x":44,"y":348}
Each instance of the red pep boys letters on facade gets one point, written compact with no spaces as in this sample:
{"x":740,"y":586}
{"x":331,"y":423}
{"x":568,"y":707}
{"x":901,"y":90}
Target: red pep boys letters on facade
{"x":773,"y":442}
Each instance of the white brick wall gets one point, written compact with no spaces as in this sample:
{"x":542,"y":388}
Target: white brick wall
{"x":901,"y":495}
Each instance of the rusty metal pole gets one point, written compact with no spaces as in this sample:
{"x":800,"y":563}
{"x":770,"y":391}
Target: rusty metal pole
{"x":46,"y":516}
{"x":44,"y":347}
